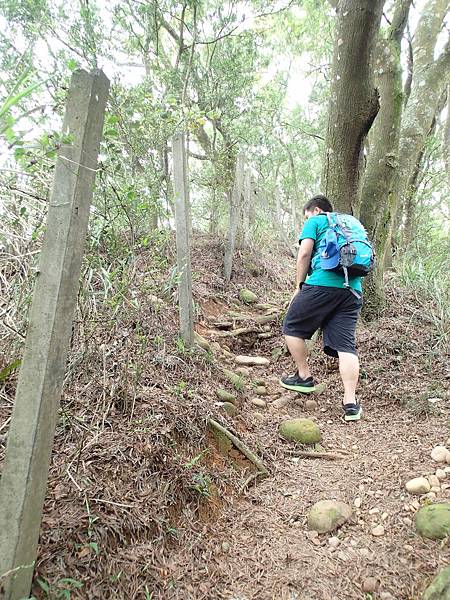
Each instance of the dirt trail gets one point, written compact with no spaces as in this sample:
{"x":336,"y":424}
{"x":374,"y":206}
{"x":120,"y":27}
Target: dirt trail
{"x":128,"y":515}
{"x":263,"y":549}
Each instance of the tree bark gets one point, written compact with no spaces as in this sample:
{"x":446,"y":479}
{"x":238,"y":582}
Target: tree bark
{"x":240,"y":199}
{"x":234,"y":201}
{"x":383,"y":157}
{"x":382,"y":160}
{"x":426,"y":89}
{"x":279,"y":221}
{"x":416,"y":177}
{"x":353,"y":100}
{"x":446,"y":140}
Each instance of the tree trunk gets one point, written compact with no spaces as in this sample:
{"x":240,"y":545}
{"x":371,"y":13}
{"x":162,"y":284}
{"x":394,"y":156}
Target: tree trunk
{"x":240,"y":199}
{"x":416,"y":177}
{"x":246,"y":203}
{"x":214,"y":214}
{"x":353,"y":100}
{"x":383,"y":157}
{"x":234,"y":200}
{"x":446,"y":140}
{"x":426,"y":89}
{"x":253,"y":197}
{"x":279,"y":221}
{"x":382,"y":160}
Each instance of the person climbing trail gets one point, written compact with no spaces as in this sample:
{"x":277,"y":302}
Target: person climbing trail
{"x":333,"y":256}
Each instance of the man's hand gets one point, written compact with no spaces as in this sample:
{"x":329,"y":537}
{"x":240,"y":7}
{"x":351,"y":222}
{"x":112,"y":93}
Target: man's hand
{"x":293,"y":296}
{"x":304,"y":259}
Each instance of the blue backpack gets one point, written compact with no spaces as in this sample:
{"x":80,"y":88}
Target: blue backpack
{"x":346,"y":248}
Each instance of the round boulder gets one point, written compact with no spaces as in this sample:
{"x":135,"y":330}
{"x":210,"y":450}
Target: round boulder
{"x":440,"y":454}
{"x":311,"y":405}
{"x":258,"y":402}
{"x":328,"y":515}
{"x":418,"y":485}
{"x":433,"y":521}
{"x":229,"y":408}
{"x":225,"y":396}
{"x":247,"y":296}
{"x":304,"y":431}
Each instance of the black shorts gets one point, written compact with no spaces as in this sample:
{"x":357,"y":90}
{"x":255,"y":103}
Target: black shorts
{"x":333,"y":309}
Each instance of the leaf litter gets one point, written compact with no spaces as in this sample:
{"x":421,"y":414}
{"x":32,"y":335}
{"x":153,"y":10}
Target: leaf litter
{"x":142,"y":504}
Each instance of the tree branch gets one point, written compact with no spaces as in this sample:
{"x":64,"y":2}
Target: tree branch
{"x":399,"y":19}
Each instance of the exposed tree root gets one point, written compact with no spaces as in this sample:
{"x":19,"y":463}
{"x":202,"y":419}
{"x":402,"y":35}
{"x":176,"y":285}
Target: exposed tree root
{"x":313,"y":454}
{"x":240,"y":446}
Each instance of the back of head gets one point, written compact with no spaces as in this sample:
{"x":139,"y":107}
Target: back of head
{"x":318,"y":201}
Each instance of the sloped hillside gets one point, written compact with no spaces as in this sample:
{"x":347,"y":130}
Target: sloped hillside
{"x":144,"y":501}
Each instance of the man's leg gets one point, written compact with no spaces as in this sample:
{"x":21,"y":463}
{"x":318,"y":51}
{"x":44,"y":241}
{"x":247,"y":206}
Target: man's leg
{"x":299,"y":352}
{"x":349,"y":370}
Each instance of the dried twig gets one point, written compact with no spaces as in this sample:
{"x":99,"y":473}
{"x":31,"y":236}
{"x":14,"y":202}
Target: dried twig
{"x":314,"y":454}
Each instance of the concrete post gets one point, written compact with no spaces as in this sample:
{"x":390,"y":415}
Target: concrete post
{"x":24,"y":478}
{"x":182,"y":221}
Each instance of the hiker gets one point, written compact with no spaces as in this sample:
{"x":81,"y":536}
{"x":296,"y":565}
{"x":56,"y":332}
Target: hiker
{"x":326,"y":299}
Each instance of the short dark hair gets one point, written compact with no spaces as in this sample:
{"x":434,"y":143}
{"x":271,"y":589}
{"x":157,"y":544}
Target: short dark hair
{"x":318,"y":201}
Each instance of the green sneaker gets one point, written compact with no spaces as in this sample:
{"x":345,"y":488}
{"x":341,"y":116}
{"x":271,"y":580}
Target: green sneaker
{"x":297,"y":384}
{"x":352,"y":412}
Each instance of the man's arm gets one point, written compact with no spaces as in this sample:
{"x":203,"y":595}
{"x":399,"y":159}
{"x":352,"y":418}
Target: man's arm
{"x":304,"y":259}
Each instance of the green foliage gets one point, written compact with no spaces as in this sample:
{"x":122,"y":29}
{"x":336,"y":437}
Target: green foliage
{"x":202,"y":484}
{"x":6,"y":371}
{"x":196,"y":459}
{"x":10,"y":108}
{"x":62,"y":589}
{"x":424,"y":269}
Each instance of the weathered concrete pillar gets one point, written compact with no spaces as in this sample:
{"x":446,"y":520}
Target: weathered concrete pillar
{"x":182,"y":221}
{"x":235,"y":205}
{"x":24,"y":478}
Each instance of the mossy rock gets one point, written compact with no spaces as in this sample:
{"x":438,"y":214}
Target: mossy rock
{"x":225,"y":396}
{"x":261,"y":306}
{"x":433,"y":521}
{"x":252,"y":269}
{"x":439,"y":589}
{"x":229,"y":408}
{"x":248,"y":296}
{"x":234,"y":378}
{"x":327,"y":515}
{"x":261,"y":390}
{"x":200,"y":341}
{"x":304,"y":431}
{"x":263,"y":319}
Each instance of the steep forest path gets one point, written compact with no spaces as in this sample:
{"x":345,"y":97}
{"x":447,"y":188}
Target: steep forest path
{"x":261,"y":547}
{"x":143,"y":504}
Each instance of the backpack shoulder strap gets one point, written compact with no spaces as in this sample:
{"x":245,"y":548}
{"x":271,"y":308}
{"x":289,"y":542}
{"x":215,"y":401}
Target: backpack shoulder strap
{"x":345,"y":231}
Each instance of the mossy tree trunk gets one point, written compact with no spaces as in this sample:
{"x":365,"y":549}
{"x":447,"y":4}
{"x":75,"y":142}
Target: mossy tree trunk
{"x":426,"y":88}
{"x":446,"y":140}
{"x":416,"y":178}
{"x":382,"y":162}
{"x":353,"y":100}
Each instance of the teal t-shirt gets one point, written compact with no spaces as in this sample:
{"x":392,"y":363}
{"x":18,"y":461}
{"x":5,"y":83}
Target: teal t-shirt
{"x":315,"y":229}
